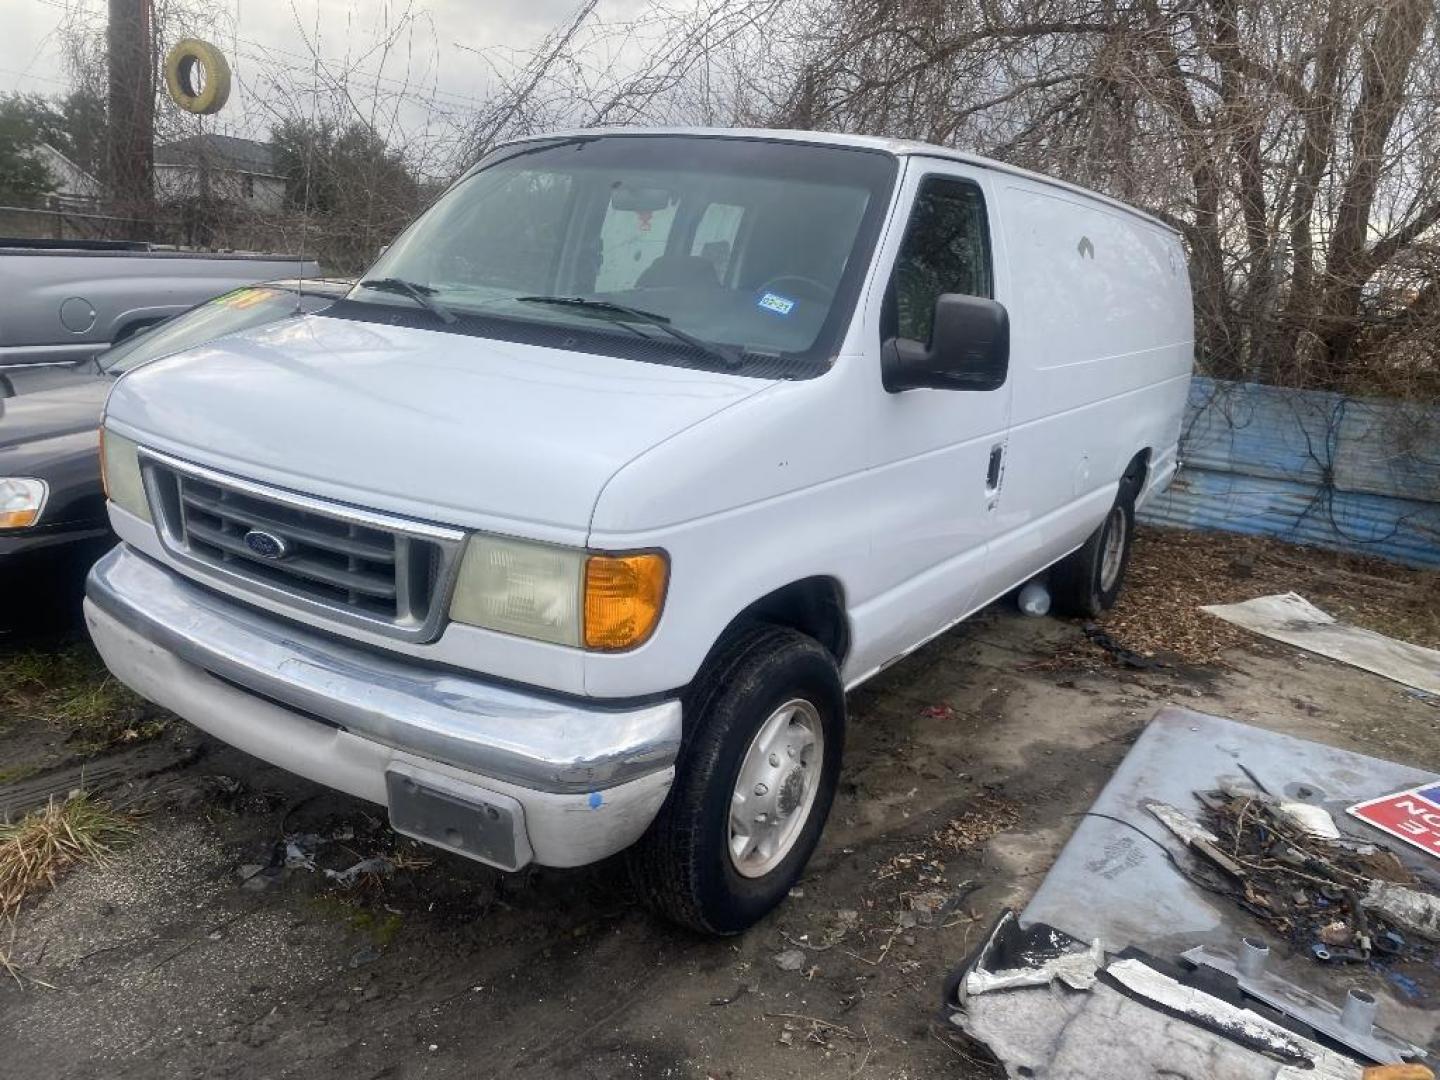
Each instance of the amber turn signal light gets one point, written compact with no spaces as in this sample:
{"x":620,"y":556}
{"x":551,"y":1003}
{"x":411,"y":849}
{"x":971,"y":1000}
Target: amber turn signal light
{"x":623,"y":598}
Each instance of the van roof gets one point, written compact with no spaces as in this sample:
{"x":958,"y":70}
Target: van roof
{"x":897,"y":147}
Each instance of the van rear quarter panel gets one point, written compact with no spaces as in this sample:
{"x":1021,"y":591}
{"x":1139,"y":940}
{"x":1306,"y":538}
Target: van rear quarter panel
{"x":1101,"y":352}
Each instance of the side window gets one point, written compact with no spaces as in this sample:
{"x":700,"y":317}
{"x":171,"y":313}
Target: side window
{"x":946,"y":250}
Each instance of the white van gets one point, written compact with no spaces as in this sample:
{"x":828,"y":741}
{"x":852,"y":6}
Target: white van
{"x":566,"y":532}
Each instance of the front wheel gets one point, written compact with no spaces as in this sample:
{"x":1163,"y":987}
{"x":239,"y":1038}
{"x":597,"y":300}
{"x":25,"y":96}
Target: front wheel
{"x":765,"y":727}
{"x":1087,"y":582}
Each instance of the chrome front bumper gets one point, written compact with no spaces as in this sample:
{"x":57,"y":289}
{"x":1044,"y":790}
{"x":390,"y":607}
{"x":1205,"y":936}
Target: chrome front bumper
{"x":585,"y":780}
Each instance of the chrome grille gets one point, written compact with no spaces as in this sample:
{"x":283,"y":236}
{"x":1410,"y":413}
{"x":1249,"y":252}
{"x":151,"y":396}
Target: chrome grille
{"x":387,"y":573}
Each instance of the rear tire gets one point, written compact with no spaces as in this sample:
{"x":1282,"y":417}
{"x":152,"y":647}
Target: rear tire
{"x":764,"y":731}
{"x":1087,"y":582}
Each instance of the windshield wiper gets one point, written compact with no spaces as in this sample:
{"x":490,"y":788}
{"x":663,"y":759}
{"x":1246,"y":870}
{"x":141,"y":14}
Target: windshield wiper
{"x":421,"y":294}
{"x":726,"y":359}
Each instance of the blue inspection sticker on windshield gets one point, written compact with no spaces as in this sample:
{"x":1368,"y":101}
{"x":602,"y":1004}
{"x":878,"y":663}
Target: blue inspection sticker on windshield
{"x":774,"y":302}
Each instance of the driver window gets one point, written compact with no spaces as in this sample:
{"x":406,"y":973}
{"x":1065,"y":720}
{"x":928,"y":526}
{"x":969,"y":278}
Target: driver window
{"x":946,"y":250}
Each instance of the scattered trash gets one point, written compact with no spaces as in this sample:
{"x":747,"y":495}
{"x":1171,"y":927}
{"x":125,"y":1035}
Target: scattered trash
{"x":366,"y":954}
{"x":381,"y":866}
{"x":1290,"y":618}
{"x":740,"y":991}
{"x":1310,"y":819}
{"x":300,"y":851}
{"x":1034,"y":956}
{"x":1193,"y":834}
{"x":1035,"y":599}
{"x":1415,"y":911}
{"x":790,"y":960}
{"x":1318,"y":890}
{"x":1129,"y":657}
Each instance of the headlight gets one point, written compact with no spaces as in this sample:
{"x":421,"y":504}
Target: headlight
{"x":21,"y":500}
{"x":559,"y":594}
{"x":120,"y":474}
{"x":520,"y":588}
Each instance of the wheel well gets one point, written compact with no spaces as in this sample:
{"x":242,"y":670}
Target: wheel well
{"x":1137,"y":472}
{"x":813,"y":606}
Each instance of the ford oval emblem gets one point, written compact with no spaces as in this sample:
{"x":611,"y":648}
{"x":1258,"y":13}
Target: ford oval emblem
{"x":266,"y":545}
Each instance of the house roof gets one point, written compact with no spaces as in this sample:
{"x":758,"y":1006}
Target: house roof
{"x":73,"y":180}
{"x":226,"y":152}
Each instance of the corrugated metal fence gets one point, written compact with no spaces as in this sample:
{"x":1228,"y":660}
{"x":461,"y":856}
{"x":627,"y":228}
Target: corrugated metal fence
{"x":1309,"y":467}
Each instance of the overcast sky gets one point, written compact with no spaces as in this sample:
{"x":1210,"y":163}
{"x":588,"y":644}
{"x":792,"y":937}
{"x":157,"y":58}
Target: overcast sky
{"x":264,"y":37}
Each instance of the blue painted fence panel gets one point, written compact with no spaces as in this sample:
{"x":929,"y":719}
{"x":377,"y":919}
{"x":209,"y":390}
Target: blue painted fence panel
{"x":1309,"y":467}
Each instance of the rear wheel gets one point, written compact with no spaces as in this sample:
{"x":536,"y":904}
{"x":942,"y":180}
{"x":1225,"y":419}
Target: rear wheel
{"x":765,"y":726}
{"x":1087,"y":582}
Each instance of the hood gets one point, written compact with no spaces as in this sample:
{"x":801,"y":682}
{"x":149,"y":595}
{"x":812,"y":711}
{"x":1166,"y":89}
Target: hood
{"x":49,"y":414}
{"x":445,"y":427}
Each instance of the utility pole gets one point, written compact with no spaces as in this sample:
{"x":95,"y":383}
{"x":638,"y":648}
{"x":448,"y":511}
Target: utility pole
{"x":131,"y":127}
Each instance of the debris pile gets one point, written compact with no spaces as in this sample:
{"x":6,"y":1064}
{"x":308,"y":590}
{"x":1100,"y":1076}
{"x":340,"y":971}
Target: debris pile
{"x":1339,"y":899}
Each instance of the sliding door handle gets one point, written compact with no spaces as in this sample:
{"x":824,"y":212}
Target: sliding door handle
{"x":992,"y":473}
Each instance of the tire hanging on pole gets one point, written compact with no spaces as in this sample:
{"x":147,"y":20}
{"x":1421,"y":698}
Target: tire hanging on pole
{"x":184,"y":63}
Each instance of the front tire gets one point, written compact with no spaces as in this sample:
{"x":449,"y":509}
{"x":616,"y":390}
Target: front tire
{"x":764,"y":731}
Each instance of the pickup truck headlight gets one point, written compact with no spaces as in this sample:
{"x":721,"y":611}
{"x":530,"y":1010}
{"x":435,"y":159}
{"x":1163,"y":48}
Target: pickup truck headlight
{"x":120,"y":474}
{"x":21,"y":500}
{"x":561,"y":595}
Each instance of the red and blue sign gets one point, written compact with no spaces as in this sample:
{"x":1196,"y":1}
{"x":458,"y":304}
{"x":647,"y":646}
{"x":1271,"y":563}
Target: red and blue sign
{"x":1412,"y":816}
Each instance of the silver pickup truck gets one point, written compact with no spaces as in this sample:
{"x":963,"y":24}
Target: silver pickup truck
{"x":63,"y":301}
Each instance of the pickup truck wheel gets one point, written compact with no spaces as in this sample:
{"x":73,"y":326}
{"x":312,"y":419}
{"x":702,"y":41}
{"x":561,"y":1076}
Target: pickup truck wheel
{"x":1087,"y":582}
{"x":765,"y":724}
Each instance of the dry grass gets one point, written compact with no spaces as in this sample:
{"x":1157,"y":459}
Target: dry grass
{"x":36,"y":850}
{"x":1173,"y":572}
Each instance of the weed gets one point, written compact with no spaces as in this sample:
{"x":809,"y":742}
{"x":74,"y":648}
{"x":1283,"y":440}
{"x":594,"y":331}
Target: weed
{"x":36,"y":850}
{"x":71,"y":690}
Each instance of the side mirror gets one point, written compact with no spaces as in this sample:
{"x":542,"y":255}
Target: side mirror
{"x":969,"y":349}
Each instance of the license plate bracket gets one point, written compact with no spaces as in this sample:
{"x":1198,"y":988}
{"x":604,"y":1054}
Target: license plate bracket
{"x":464,"y":818}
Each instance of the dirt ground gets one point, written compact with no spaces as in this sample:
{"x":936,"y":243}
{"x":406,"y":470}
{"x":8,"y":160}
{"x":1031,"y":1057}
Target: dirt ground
{"x":195,"y":952}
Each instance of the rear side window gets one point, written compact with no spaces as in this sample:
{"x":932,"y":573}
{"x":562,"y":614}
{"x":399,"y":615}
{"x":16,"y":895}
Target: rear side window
{"x":946,"y":250}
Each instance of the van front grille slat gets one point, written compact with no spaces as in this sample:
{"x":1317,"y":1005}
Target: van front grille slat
{"x":361,"y":569}
{"x":232,"y":510}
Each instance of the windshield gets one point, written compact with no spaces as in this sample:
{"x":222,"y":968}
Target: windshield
{"x":237,"y":310}
{"x":629,"y":245}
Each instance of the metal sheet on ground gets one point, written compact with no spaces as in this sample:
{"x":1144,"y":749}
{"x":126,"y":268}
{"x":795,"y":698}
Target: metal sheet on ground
{"x":1290,"y":618}
{"x":1114,"y":879}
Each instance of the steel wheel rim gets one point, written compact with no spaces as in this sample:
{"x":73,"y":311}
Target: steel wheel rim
{"x":1114,"y":552}
{"x":775,"y":791}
